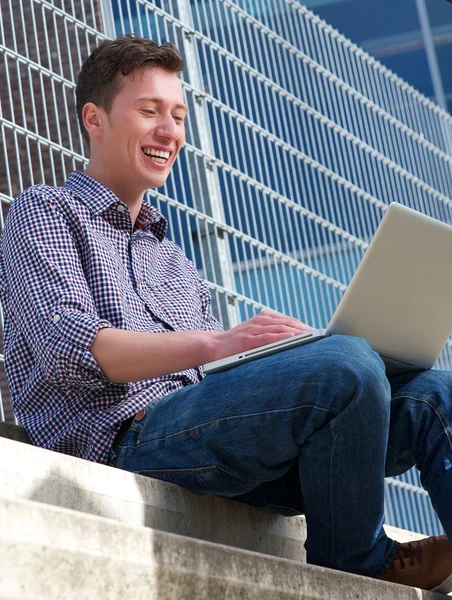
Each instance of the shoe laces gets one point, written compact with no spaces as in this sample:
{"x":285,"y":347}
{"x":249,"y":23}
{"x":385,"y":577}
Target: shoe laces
{"x":412,"y":552}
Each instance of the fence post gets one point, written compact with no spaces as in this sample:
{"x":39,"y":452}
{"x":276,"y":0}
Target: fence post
{"x":215,"y":242}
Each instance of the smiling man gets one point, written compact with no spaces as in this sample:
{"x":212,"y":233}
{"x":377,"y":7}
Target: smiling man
{"x":136,"y":135}
{"x":107,"y":324}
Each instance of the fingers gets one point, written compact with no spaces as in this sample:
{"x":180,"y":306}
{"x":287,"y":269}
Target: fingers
{"x":262,"y":329}
{"x":274,"y":326}
{"x":270,"y":317}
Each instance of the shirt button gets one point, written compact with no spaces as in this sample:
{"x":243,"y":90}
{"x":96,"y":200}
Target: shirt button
{"x":56,"y":318}
{"x":120,"y":208}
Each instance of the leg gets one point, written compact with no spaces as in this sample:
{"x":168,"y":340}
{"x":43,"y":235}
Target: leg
{"x":323,"y":407}
{"x":421,"y":435}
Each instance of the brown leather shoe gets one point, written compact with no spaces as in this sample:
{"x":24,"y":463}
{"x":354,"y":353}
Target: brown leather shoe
{"x":425,"y":564}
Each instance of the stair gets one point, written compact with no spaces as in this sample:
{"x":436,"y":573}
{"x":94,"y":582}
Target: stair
{"x":74,"y":529}
{"x":35,"y":474}
{"x":50,"y":553}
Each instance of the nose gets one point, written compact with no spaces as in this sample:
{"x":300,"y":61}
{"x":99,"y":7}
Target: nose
{"x":167,"y":128}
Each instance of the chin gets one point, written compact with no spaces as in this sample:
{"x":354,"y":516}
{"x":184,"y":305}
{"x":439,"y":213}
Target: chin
{"x":157,"y":181}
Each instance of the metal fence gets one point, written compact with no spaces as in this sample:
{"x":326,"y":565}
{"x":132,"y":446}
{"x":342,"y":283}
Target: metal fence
{"x":297,"y":141}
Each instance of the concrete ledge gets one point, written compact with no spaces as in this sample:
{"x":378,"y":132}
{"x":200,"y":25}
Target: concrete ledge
{"x":402,"y":535}
{"x":28,"y":472}
{"x":46,"y":554}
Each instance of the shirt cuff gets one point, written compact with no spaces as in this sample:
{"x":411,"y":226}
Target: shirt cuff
{"x":68,"y":360}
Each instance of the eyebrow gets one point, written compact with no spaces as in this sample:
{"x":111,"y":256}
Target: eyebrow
{"x":159,"y":101}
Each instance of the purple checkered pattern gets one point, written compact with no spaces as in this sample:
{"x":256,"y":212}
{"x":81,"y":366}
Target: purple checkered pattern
{"x":70,"y":264}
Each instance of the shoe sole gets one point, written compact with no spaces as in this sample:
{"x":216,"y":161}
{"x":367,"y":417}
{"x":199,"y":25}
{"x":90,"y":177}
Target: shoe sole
{"x":445,"y":587}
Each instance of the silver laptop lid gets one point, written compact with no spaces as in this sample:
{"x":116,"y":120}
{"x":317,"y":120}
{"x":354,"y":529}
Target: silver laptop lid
{"x":400,"y":298}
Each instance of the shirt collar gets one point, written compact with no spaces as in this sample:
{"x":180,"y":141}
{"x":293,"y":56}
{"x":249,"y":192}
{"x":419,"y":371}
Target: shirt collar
{"x":99,"y":199}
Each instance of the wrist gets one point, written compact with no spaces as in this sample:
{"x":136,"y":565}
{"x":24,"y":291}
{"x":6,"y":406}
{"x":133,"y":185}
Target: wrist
{"x":213,"y":344}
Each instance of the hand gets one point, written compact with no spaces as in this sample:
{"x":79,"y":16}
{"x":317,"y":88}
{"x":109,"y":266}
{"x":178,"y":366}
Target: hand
{"x":265,"y":328}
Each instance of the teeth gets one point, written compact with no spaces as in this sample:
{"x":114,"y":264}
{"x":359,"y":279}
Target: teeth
{"x":157,"y":154}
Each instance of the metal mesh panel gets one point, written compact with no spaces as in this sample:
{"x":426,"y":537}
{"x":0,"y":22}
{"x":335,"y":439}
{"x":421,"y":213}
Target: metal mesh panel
{"x":297,"y":141}
{"x":42,"y":45}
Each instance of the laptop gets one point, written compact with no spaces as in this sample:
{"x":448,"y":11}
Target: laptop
{"x":399,"y":299}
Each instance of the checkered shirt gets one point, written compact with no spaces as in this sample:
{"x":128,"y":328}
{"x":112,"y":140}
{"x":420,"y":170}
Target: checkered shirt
{"x":70,"y":264}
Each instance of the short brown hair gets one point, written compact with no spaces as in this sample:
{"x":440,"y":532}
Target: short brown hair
{"x":98,"y":80}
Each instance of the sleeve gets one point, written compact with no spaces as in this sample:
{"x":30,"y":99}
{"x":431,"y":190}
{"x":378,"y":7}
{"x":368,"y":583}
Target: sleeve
{"x":209,"y":321}
{"x":45,"y":294}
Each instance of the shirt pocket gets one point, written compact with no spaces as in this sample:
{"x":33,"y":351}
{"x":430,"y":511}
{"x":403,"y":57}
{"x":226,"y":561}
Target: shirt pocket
{"x":177,"y":302}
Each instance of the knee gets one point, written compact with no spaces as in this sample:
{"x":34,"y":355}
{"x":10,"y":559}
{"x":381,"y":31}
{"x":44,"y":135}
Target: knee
{"x":357,"y":370}
{"x":353,"y":355}
{"x":421,"y":414}
{"x":428,"y":390}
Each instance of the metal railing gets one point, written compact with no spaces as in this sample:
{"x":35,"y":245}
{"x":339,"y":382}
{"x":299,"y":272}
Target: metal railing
{"x":297,"y":141}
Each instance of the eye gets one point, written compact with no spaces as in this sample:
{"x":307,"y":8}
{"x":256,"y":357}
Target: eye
{"x":179,"y":119}
{"x":148,"y":111}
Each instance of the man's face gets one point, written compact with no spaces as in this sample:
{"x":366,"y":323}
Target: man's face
{"x":145,"y":129}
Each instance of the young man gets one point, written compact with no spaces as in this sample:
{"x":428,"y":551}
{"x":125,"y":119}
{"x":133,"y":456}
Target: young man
{"x":107,"y":322}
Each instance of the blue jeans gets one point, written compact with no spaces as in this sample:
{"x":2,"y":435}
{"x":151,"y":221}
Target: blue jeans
{"x":312,"y":430}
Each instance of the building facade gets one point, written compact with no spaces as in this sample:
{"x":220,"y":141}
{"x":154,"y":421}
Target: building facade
{"x":413,"y":38}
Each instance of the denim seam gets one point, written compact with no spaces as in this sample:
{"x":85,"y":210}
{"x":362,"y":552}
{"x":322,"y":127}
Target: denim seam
{"x":389,"y":557}
{"x":199,"y":470}
{"x":118,"y":462}
{"x":121,"y":451}
{"x":333,"y":446}
{"x":268,"y":412}
{"x":427,"y":400}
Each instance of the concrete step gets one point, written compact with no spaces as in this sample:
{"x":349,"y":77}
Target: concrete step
{"x":50,"y":553}
{"x":32,"y":473}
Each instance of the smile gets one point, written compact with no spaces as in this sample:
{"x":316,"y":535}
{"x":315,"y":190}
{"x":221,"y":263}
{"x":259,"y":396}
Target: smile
{"x":159,"y":156}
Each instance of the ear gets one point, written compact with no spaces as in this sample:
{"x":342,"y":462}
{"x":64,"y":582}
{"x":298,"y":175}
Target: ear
{"x":93,"y":119}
